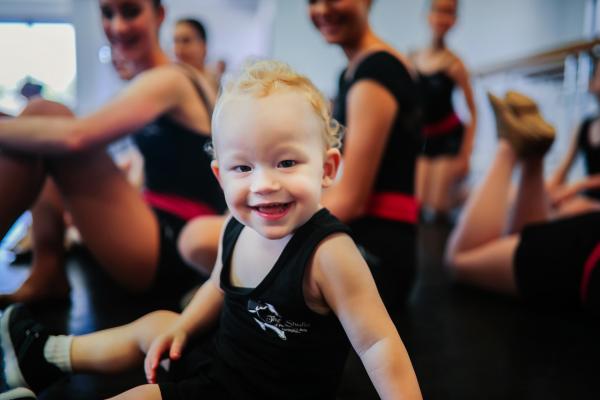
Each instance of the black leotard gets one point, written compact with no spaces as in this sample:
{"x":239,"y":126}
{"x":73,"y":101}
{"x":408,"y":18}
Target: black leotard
{"x":396,"y":172}
{"x":557,"y":263}
{"x":442,"y":129}
{"x":179,"y":185}
{"x":387,"y":230}
{"x":269,"y":344}
{"x":175,"y":162}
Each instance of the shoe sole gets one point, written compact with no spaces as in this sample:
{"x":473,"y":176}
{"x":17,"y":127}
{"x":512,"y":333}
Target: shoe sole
{"x":12,"y":372}
{"x":18,"y":394}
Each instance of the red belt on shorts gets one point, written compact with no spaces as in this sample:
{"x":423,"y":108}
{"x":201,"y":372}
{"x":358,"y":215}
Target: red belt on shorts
{"x":393,"y":206}
{"x":588,"y":268}
{"x":180,"y":206}
{"x":441,"y":127}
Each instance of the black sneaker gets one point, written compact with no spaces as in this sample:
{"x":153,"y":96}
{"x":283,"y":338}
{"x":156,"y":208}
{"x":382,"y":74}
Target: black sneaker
{"x":22,"y":344}
{"x":18,"y":394}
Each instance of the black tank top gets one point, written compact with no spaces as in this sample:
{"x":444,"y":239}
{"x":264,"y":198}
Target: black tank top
{"x":396,"y":171}
{"x":436,"y":95}
{"x":591,"y":152}
{"x":175,"y":161}
{"x":270,"y":344}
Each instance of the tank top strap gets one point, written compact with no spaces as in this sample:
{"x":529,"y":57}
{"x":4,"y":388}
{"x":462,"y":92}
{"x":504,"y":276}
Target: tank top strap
{"x":233,"y":229}
{"x":190,"y":73}
{"x":303,"y":246}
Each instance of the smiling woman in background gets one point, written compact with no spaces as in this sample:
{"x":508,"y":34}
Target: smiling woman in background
{"x":48,"y":157}
{"x":377,"y":101}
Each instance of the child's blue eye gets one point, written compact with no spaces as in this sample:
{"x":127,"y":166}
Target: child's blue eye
{"x":286,"y":164}
{"x":241,"y":168}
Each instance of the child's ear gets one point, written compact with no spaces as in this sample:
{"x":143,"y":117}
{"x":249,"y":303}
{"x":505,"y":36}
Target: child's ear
{"x":214,"y":165}
{"x":330,"y":166}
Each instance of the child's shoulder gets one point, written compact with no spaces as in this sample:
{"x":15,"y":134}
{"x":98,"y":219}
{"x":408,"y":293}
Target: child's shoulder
{"x":336,"y":248}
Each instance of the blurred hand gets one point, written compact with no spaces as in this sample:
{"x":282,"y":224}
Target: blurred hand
{"x":169,"y":345}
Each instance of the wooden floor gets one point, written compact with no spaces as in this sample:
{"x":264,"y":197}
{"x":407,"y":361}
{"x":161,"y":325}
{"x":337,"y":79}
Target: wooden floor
{"x":464,"y":343}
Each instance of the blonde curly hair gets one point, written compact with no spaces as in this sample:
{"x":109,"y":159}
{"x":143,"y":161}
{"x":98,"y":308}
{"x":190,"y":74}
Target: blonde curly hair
{"x":262,"y":78}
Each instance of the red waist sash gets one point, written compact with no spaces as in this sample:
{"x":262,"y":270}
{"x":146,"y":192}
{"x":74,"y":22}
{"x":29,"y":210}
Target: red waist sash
{"x":441,"y":127}
{"x":180,"y":206}
{"x":394,"y":206}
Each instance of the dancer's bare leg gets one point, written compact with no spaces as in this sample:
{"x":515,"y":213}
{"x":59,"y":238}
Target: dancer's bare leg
{"x":199,"y":241}
{"x":477,"y":251}
{"x":443,"y":178}
{"x":115,"y":223}
{"x":118,"y":227}
{"x":422,"y":172}
{"x":47,"y":279}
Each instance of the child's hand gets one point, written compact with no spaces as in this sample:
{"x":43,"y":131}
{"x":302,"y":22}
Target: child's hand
{"x":172,"y":342}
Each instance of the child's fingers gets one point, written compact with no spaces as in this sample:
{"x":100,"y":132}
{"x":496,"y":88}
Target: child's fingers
{"x":177,"y":346}
{"x":153,"y":357}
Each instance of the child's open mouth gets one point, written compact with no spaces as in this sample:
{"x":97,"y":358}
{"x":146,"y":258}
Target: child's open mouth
{"x":272,"y":210}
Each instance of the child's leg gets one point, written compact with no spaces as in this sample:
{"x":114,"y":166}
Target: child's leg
{"x":476,"y":250}
{"x":532,"y":203}
{"x":34,"y":359}
{"x":121,"y":348}
{"x":146,"y":392}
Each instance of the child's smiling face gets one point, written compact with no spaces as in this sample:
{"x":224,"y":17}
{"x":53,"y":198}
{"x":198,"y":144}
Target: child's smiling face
{"x":271,"y":161}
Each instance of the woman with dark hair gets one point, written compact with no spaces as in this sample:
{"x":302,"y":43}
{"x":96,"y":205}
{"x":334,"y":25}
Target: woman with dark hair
{"x":49,"y":158}
{"x":190,"y":42}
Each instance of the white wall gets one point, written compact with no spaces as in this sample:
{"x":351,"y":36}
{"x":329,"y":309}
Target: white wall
{"x":45,"y":10}
{"x":487,"y":31}
{"x":236,"y":29}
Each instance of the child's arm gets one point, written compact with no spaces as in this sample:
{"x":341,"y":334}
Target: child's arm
{"x":347,"y":286}
{"x":200,"y":314}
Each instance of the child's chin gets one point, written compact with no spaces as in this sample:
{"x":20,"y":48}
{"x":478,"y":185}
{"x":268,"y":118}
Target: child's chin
{"x":274,"y":233}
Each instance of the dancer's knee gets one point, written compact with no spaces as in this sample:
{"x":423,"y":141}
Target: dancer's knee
{"x":40,"y":106}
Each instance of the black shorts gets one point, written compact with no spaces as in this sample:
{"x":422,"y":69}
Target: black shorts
{"x":194,"y":376}
{"x":173,"y":274}
{"x":389,"y":248}
{"x":444,"y":144}
{"x":550,"y":258}
{"x":198,"y":387}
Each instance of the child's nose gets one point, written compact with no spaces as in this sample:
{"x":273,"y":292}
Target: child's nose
{"x":264,"y":182}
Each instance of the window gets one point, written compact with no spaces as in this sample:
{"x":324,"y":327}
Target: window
{"x":43,"y":56}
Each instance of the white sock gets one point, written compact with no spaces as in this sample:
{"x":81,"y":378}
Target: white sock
{"x":57,"y":351}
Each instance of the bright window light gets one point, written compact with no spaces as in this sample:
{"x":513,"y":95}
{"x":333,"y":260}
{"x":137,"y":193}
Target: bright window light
{"x":43,"y":54}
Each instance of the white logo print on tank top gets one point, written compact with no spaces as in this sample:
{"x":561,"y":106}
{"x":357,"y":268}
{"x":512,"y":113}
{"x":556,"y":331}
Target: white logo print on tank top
{"x":267,"y":317}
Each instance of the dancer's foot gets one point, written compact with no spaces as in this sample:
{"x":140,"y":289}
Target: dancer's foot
{"x":38,"y":289}
{"x":528,"y":133}
{"x":527,"y":110}
{"x":520,"y":104}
